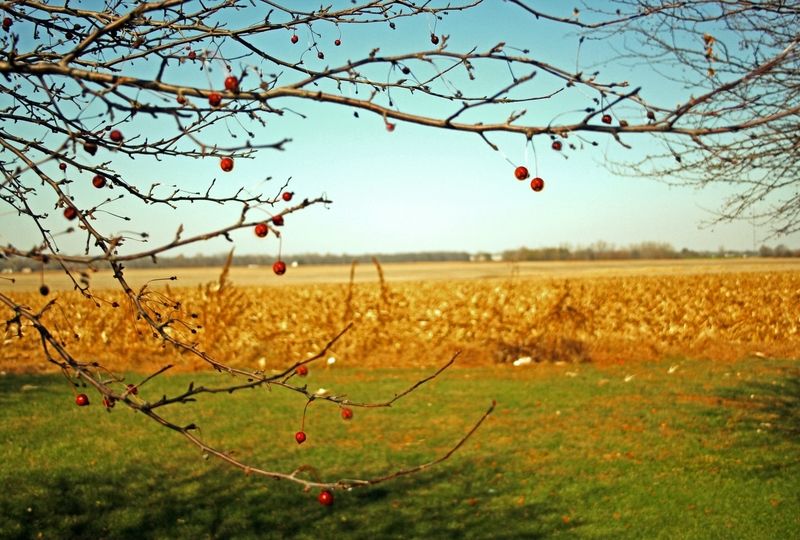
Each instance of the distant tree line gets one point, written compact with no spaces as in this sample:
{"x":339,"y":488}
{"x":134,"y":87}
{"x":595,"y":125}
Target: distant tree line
{"x":218,"y":260}
{"x":596,"y":251}
{"x":645,"y":250}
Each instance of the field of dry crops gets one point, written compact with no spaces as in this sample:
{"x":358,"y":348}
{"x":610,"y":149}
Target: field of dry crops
{"x":598,"y":318}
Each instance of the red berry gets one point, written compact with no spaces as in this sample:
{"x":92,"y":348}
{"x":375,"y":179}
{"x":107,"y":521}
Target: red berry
{"x":556,"y":146}
{"x":537,"y":184}
{"x":406,"y":70}
{"x":90,"y":147}
{"x":295,"y":39}
{"x":192,"y":55}
{"x":226,"y":164}
{"x":325,"y":497}
{"x":300,"y":437}
{"x":337,"y":42}
{"x":521,"y":173}
{"x":287,"y":196}
{"x":279,"y":268}
{"x":81,"y":400}
{"x":214,"y":99}
{"x":181,"y":99}
{"x":301,"y":370}
{"x":7,"y":22}
{"x":115,"y":135}
{"x":62,"y":166}
{"x":70,"y":213}
{"x":434,"y":39}
{"x":277,"y":220}
{"x":320,"y":55}
{"x":231,"y":84}
{"x":108,"y":402}
{"x":390,"y":127}
{"x":44,"y":290}
{"x":261,"y":230}
{"x":132,"y":389}
{"x":606,"y":119}
{"x":347,"y":413}
{"x":98,"y":181}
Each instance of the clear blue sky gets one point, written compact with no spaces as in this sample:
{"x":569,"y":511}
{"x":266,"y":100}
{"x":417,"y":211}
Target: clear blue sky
{"x":420,"y":189}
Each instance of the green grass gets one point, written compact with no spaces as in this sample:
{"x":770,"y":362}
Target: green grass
{"x":709,"y":451}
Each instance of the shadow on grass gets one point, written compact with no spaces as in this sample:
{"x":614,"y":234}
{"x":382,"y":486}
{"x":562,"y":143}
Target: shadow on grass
{"x":146,"y":503}
{"x":12,"y":386}
{"x":764,"y":415}
{"x":771,"y":406}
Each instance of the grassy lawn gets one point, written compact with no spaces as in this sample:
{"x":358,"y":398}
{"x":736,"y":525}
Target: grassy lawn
{"x":710,"y":450}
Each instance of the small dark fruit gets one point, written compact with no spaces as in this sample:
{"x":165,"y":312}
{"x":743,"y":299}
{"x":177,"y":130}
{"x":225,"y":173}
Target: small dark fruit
{"x":337,"y":42}
{"x":115,"y":135}
{"x":521,"y":173}
{"x":44,"y":290}
{"x":301,"y":371}
{"x":62,"y":166}
{"x":277,"y":220}
{"x":300,"y":437}
{"x":81,"y":400}
{"x":90,"y":147}
{"x":287,"y":196}
{"x":261,"y":230}
{"x":192,"y":55}
{"x":434,"y":39}
{"x":537,"y":184}
{"x":99,"y":181}
{"x":347,"y":413}
{"x":606,"y":119}
{"x":294,"y":38}
{"x":132,"y":389}
{"x":279,"y":267}
{"x":320,"y":55}
{"x":70,"y":213}
{"x":215,"y":99}
{"x":556,"y":146}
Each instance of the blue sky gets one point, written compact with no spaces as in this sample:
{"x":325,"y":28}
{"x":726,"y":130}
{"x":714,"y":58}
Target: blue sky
{"x":420,"y":189}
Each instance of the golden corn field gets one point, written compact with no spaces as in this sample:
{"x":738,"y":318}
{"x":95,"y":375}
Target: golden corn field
{"x":602,"y":319}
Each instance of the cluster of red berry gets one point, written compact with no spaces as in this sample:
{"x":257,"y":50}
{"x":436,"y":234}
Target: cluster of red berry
{"x":521,"y":173}
{"x":326,"y":496}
